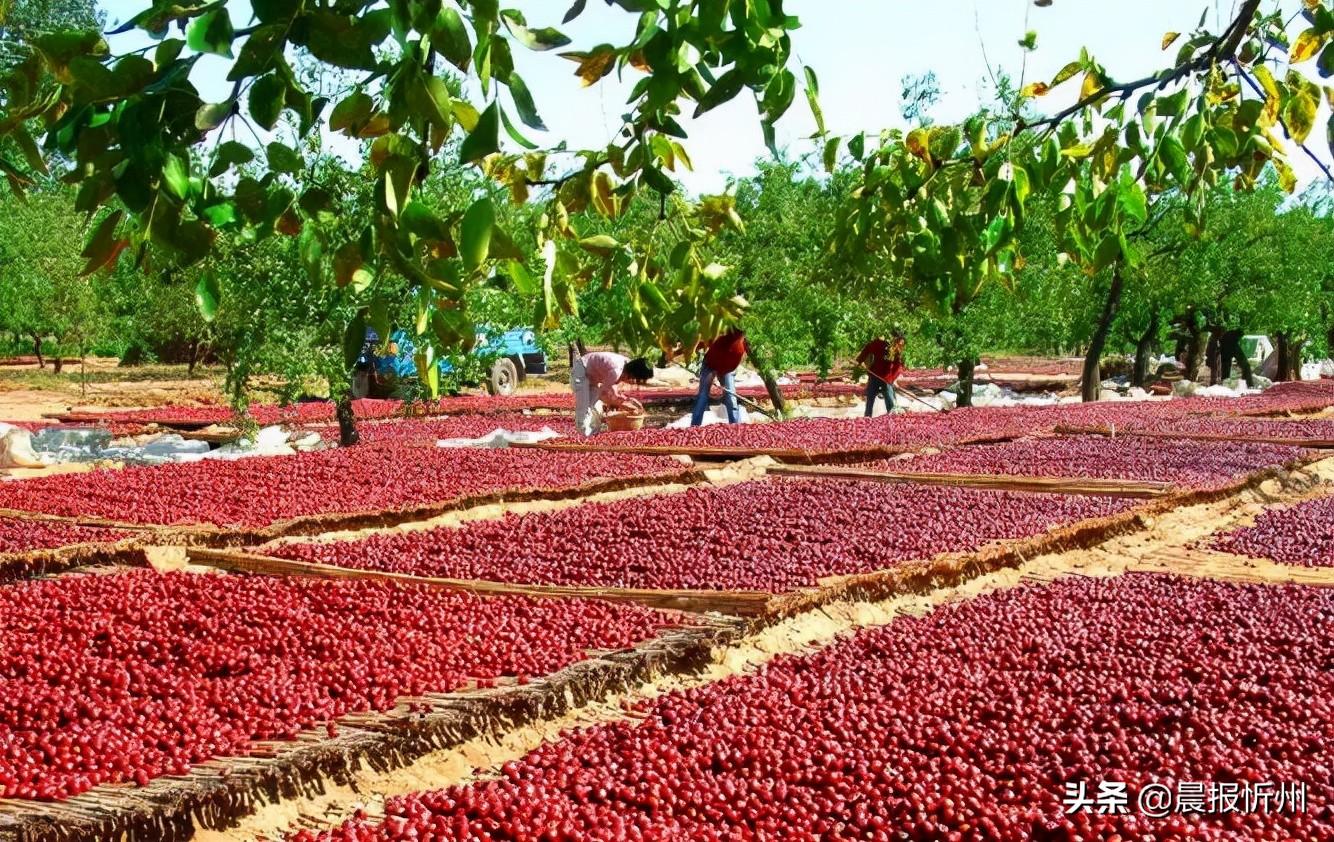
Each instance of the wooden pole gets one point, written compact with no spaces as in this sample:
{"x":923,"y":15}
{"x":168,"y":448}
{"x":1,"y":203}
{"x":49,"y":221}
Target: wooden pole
{"x":1294,"y":441}
{"x":739,"y":603}
{"x":1059,"y":485}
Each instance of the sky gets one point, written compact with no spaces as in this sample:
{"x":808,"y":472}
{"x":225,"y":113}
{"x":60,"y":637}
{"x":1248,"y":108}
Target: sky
{"x":860,"y":49}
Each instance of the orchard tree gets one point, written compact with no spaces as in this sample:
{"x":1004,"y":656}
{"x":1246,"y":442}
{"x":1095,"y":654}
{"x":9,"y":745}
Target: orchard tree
{"x":158,"y":164}
{"x":945,"y":203}
{"x":42,"y":294}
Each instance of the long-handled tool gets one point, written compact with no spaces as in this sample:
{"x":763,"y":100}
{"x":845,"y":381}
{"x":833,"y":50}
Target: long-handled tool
{"x":899,"y":391}
{"x":747,"y":401}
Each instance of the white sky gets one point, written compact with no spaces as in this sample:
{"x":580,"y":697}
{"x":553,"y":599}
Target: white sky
{"x":860,"y":49}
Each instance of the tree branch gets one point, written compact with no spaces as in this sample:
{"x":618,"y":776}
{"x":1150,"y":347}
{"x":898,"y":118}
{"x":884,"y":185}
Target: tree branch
{"x":1223,"y":49}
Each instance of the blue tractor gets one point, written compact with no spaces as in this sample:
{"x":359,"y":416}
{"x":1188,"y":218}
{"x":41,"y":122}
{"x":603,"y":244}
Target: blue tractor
{"x":514,"y":355}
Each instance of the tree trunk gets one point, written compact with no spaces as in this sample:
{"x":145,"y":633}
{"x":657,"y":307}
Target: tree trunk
{"x":966,"y":366}
{"x":1194,"y":351}
{"x":1295,"y":359}
{"x":1213,"y":354}
{"x":1230,"y":350}
{"x":1284,"y":367}
{"x":37,"y":349}
{"x":1091,"y":383}
{"x":57,"y":363}
{"x":194,"y":358}
{"x":775,"y":393}
{"x":1143,"y":349}
{"x":347,"y":422}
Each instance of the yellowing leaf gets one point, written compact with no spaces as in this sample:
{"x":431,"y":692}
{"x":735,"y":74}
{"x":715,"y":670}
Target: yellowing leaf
{"x":917,"y":144}
{"x":1092,"y":84}
{"x":1287,"y":179}
{"x":1266,"y":80}
{"x":1066,"y":73}
{"x":1169,"y":37}
{"x":1035,"y":89}
{"x":1299,"y":115}
{"x":1306,"y":46}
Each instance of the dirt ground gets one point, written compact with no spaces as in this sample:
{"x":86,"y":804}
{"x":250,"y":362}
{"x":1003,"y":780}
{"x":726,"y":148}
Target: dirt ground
{"x":27,"y":393}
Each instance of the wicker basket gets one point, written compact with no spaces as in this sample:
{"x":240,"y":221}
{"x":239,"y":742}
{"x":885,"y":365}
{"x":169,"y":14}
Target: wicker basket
{"x":622,"y":421}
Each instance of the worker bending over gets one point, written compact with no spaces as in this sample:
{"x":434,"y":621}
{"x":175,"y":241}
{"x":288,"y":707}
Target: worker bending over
{"x":720,"y":361}
{"x":597,"y":376}
{"x":884,"y":364}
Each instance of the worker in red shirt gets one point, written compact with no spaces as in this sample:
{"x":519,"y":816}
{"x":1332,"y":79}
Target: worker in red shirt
{"x":884,"y":364}
{"x":720,"y":361}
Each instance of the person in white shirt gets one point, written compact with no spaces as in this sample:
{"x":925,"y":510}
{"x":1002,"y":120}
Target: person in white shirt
{"x":596,"y":377}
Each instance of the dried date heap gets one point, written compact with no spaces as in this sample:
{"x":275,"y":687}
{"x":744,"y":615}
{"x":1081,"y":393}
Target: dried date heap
{"x":968,"y":723}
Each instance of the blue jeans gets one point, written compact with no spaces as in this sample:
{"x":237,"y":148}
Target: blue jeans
{"x":728,"y":380}
{"x":874,"y":387}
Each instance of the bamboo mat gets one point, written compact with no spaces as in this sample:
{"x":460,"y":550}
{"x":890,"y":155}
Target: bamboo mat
{"x":213,"y":793}
{"x":1211,"y":564}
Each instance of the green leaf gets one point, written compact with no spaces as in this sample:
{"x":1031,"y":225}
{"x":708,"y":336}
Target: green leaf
{"x":525,"y":283}
{"x":1171,"y":106}
{"x":354,"y":338}
{"x":283,"y":158}
{"x":831,"y":154}
{"x":721,"y":91}
{"x":813,"y":97}
{"x":28,"y":147}
{"x":220,"y":215}
{"x":857,"y":145}
{"x":267,"y":97}
{"x":484,"y":139}
{"x":1173,"y":156}
{"x":273,"y":11}
{"x":545,"y":38}
{"x":514,"y":133}
{"x":475,"y":231}
{"x":1132,"y":201}
{"x":167,"y":52}
{"x":1107,"y":253}
{"x":658,"y":180}
{"x":600,"y":244}
{"x":523,"y":102}
{"x":575,"y":11}
{"x":1329,"y":133}
{"x":1325,"y":64}
{"x":230,"y":153}
{"x":421,"y":222}
{"x":103,"y":247}
{"x":176,"y":176}
{"x":450,"y":37}
{"x":259,"y":52}
{"x":379,"y":316}
{"x":208,"y":296}
{"x":211,"y":32}
{"x":211,"y":115}
{"x":351,"y":114}
{"x":341,"y":40}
